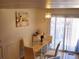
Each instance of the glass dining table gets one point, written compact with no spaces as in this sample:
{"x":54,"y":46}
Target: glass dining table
{"x":40,"y":45}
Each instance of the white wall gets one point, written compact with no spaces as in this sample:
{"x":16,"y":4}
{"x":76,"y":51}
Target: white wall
{"x":10,"y":34}
{"x":43,"y":24}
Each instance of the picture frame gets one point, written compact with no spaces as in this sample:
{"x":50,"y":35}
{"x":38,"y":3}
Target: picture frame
{"x":21,"y":19}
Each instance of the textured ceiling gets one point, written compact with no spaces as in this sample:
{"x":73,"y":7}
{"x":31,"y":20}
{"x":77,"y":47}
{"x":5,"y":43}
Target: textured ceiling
{"x":64,"y":4}
{"x":39,"y":3}
{"x":22,"y":3}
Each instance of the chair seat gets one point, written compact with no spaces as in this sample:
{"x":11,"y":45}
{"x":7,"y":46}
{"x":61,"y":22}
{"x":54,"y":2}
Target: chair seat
{"x":38,"y":53}
{"x":57,"y":57}
{"x":50,"y":53}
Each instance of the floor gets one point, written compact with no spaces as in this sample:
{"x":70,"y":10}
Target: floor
{"x":64,"y":55}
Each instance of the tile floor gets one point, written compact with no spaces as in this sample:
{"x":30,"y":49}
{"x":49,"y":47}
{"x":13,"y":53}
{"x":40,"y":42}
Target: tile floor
{"x":68,"y":56}
{"x":62,"y":55}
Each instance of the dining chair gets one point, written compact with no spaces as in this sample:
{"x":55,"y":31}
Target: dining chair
{"x":29,"y":53}
{"x":25,"y":52}
{"x":52,"y":53}
{"x":21,"y":48}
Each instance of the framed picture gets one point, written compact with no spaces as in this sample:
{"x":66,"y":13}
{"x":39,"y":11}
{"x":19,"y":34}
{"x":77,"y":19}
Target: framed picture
{"x":21,"y":19}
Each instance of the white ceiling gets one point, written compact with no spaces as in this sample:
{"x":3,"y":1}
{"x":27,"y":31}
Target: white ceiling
{"x":39,"y":3}
{"x":64,"y":4}
{"x":22,"y":3}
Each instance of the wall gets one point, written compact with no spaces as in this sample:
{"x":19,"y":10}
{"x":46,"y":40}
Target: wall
{"x":10,"y":34}
{"x":43,"y":24}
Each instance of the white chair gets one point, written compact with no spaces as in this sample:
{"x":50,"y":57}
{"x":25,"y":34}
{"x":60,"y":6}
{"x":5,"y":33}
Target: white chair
{"x":52,"y":53}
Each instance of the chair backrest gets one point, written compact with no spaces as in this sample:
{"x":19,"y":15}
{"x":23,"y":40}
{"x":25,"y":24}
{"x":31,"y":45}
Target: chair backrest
{"x":57,"y":48}
{"x":29,"y":53}
{"x":21,"y":48}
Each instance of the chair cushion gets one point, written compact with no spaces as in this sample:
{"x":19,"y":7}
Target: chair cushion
{"x":57,"y":57}
{"x":50,"y":53}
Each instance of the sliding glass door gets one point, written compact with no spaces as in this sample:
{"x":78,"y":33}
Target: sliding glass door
{"x":57,"y":31}
{"x":66,"y":30}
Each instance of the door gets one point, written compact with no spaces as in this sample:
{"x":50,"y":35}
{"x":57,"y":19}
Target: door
{"x":66,"y":30}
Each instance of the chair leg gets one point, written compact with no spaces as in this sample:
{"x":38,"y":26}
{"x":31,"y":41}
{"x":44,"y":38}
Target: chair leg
{"x":45,"y":57}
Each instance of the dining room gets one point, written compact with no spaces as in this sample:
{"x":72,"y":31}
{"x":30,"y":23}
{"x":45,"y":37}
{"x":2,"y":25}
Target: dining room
{"x":39,"y":26}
